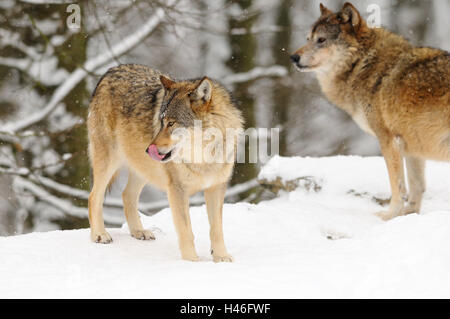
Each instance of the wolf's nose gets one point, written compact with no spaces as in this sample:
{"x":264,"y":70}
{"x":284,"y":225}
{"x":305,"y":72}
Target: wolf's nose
{"x":295,"y":58}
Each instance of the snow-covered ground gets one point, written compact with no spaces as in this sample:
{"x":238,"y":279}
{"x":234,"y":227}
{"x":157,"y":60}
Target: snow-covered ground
{"x":302,"y":244}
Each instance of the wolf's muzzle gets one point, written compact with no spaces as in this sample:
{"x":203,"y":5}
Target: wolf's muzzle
{"x":295,"y":58}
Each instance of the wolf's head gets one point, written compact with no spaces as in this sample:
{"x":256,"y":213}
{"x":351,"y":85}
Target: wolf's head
{"x":183,"y":103}
{"x":331,"y":39}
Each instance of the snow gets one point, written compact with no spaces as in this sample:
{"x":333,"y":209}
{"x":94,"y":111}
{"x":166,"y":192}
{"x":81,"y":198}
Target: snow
{"x":302,"y":244}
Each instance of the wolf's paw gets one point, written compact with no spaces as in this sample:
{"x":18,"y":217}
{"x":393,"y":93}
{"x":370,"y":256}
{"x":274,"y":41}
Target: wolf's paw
{"x":410,"y":210}
{"x":190,"y":257}
{"x":102,"y":238}
{"x":385,"y":215}
{"x":222,"y":258}
{"x":143,"y":234}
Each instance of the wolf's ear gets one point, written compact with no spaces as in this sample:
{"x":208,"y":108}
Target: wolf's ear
{"x":166,"y":82}
{"x":350,"y":13}
{"x":201,"y":95}
{"x":202,"y":91}
{"x":324,"y":10}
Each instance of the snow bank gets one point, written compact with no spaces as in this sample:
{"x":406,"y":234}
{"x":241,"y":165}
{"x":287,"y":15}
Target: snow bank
{"x":302,"y":244}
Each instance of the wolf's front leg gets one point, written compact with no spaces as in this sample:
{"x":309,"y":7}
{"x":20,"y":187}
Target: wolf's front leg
{"x":179,"y":205}
{"x":391,"y":150}
{"x":214,"y":197}
{"x":130,"y":197}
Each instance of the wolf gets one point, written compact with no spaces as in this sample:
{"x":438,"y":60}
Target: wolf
{"x":133,"y":114}
{"x":393,"y":90}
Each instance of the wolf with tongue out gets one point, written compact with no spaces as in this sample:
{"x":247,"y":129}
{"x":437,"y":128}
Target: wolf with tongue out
{"x":133,"y":116}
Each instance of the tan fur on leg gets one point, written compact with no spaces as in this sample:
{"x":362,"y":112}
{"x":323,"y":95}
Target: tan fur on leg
{"x":416,"y":181}
{"x":103,"y":171}
{"x":394,"y":162}
{"x":130,"y":197}
{"x":214,"y":197}
{"x":179,"y":204}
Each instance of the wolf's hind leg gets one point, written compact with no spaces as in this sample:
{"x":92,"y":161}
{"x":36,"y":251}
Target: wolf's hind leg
{"x":214,"y":197}
{"x":391,"y":149}
{"x":104,"y":167}
{"x":416,"y":180}
{"x":130,"y":197}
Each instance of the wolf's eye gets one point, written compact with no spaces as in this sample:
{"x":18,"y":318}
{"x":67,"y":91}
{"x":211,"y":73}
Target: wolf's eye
{"x":321,"y":40}
{"x":170,"y":124}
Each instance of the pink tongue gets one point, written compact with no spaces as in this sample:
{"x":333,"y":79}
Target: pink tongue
{"x":153,"y":152}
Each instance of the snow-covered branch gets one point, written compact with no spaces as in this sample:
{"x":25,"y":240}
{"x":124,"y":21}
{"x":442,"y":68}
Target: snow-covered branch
{"x":30,"y":181}
{"x":258,"y":72}
{"x":9,"y":137}
{"x":68,"y":208}
{"x":91,"y":65}
{"x":13,"y":171}
{"x":255,"y":30}
{"x":13,"y":39}
{"x":143,"y":207}
{"x":44,"y":71}
{"x":63,"y":205}
{"x":20,"y":64}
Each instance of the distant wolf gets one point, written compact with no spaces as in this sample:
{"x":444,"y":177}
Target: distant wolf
{"x":133,"y":112}
{"x":393,"y":90}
